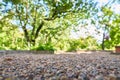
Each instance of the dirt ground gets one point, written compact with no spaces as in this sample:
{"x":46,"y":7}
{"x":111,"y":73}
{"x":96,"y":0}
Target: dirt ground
{"x":87,"y":65}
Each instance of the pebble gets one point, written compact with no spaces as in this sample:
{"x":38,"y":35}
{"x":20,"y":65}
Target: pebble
{"x":1,"y":78}
{"x":118,"y":77}
{"x":99,"y":77}
{"x":112,"y":77}
{"x":96,"y":66}
{"x":64,"y":78}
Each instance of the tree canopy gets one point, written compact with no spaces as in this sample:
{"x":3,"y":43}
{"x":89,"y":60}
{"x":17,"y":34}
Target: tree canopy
{"x":48,"y":23}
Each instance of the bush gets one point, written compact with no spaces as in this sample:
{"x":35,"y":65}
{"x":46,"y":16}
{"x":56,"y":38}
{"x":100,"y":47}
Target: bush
{"x":1,"y":48}
{"x":46,"y":46}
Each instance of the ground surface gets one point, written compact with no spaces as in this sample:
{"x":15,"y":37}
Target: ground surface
{"x":87,"y":66}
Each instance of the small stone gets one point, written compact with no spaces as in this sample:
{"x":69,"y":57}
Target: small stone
{"x":99,"y":77}
{"x":48,"y":75}
{"x":112,"y":77}
{"x":80,"y":78}
{"x":75,"y":79}
{"x":54,"y":78}
{"x":1,"y":78}
{"x":70,"y":74}
{"x":118,"y":77}
{"x":8,"y":59}
{"x":83,"y":76}
{"x":63,"y":78}
{"x":59,"y":72}
{"x":11,"y":78}
{"x":89,"y":68}
{"x":38,"y":77}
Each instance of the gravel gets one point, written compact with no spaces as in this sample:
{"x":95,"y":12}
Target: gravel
{"x":94,"y":66}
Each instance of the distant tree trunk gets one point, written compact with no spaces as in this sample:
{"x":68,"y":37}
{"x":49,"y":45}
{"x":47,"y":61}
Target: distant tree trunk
{"x":103,"y":46}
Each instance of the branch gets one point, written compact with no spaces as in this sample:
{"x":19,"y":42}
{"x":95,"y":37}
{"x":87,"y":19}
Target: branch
{"x":35,"y":16}
{"x":55,"y":15}
{"x":23,"y":26}
{"x":38,"y":29}
{"x":7,"y":16}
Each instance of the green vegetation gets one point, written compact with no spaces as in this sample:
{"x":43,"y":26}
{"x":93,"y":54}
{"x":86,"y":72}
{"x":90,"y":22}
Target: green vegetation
{"x":47,"y":24}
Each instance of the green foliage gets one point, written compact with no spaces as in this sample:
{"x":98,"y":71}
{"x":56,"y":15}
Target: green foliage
{"x":88,"y":43}
{"x":10,"y":37}
{"x":46,"y":24}
{"x":2,"y":48}
{"x":14,"y":1}
{"x":110,"y":20}
{"x":114,"y":33}
{"x":47,"y":46}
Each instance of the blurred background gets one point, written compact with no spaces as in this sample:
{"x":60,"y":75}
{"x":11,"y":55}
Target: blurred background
{"x":68,"y":25}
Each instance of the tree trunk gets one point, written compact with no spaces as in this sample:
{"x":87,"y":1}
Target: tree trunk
{"x":38,"y":29}
{"x":103,"y":46}
{"x":31,"y":39}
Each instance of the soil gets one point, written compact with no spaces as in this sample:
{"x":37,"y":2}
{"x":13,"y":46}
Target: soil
{"x":91,"y":65}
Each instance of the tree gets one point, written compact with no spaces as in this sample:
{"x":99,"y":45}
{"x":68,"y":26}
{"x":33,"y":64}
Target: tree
{"x":108,"y":21}
{"x":33,"y":15}
{"x":9,"y":35}
{"x":103,"y":22}
{"x":114,"y":32}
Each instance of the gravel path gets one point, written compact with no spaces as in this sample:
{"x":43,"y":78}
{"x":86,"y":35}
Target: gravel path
{"x":95,"y":66}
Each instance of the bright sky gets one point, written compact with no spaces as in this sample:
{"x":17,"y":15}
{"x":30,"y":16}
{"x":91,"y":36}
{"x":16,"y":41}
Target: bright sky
{"x":102,"y":1}
{"x":115,"y":7}
{"x":91,"y":28}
